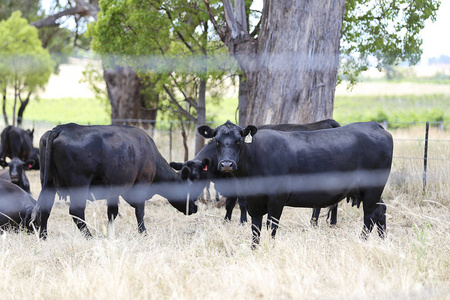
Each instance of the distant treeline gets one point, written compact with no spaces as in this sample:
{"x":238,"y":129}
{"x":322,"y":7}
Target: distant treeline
{"x":441,"y":60}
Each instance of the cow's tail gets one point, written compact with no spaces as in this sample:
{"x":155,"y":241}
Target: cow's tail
{"x":43,"y":202}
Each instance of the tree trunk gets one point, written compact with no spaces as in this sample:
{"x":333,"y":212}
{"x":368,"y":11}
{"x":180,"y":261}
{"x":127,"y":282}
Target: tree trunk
{"x":23,"y":105}
{"x":125,"y":95}
{"x":291,"y":69}
{"x":16,"y":91}
{"x":201,"y":115}
{"x":242,"y":101}
{"x":5,"y":116}
{"x":299,"y":46}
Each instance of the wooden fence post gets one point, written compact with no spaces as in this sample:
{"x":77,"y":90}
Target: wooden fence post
{"x":170,"y":142}
{"x":425,"y":157}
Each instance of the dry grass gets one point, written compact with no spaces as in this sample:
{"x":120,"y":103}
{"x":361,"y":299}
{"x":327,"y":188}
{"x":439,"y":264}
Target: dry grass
{"x":201,"y":257}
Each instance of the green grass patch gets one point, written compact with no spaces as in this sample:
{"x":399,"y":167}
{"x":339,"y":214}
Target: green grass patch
{"x":396,"y":110}
{"x":66,"y":110}
{"x":399,"y":111}
{"x":219,"y":113}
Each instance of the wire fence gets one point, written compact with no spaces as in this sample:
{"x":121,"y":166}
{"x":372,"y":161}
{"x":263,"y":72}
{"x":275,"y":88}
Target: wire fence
{"x":425,"y":146}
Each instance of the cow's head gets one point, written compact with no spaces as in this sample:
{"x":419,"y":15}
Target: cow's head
{"x":199,"y":172}
{"x":229,"y":140}
{"x":177,"y":194}
{"x":17,"y":168}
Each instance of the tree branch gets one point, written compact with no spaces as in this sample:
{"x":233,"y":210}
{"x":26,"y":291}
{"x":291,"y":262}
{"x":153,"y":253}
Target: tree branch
{"x":230,"y":19}
{"x":213,"y":20}
{"x":180,"y":110}
{"x":241,"y":15}
{"x":83,"y":8}
{"x":256,"y":30}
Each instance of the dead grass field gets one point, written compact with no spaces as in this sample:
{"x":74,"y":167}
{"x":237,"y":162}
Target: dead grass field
{"x":202,"y":257}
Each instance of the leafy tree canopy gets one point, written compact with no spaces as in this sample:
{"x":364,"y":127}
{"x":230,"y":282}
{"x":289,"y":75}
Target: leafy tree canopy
{"x":166,"y":42}
{"x":386,"y":30}
{"x":24,"y":64}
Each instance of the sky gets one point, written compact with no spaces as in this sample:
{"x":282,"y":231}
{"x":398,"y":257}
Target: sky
{"x":436,"y":36}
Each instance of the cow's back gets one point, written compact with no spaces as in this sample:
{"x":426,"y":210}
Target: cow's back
{"x":356,"y":146}
{"x":105,"y":155}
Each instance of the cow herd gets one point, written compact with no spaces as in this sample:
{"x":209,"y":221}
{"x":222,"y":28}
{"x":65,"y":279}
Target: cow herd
{"x":264,"y":168}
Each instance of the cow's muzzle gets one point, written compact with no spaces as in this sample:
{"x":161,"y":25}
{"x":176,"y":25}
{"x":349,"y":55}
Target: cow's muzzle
{"x":227,"y":166}
{"x":14,"y":178}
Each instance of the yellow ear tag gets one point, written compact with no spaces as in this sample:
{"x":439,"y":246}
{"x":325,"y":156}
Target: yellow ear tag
{"x":248,"y":139}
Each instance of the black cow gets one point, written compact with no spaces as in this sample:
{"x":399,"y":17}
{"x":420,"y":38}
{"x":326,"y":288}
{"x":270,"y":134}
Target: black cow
{"x":34,"y":155}
{"x":204,"y":166}
{"x":16,"y":142}
{"x":306,"y":169}
{"x":104,"y":162}
{"x":15,"y":207}
{"x":16,"y":172}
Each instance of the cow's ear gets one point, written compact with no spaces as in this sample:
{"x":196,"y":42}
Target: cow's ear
{"x":28,"y":164}
{"x":177,"y":166}
{"x":249,"y":129}
{"x":206,"y":163}
{"x":206,"y":131}
{"x":3,"y":163}
{"x":185,"y":172}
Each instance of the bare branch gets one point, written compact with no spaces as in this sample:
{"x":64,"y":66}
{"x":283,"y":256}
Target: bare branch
{"x":188,"y":99}
{"x":241,"y":17}
{"x":51,"y":21}
{"x":231,"y":20}
{"x":83,"y":8}
{"x":180,"y":110}
{"x":256,"y":30}
{"x":213,"y":20}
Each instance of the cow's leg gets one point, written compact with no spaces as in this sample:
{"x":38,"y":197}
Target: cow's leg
{"x":256,"y":230}
{"x":139,"y":210}
{"x":43,"y":209}
{"x":78,"y":198}
{"x":113,"y":209}
{"x":374,"y":213}
{"x":332,"y":214}
{"x":315,"y":217}
{"x":381,"y":220}
{"x":275,"y":209}
{"x":136,"y":198}
{"x":217,"y":196}
{"x":269,"y":221}
{"x":243,"y":208}
{"x":229,"y":206}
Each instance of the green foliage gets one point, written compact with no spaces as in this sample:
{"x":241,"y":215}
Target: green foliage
{"x":24,"y":64}
{"x":387,"y":30}
{"x":168,"y":43}
{"x":30,"y":9}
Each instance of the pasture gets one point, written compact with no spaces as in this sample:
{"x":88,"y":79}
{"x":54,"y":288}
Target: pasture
{"x":201,"y":256}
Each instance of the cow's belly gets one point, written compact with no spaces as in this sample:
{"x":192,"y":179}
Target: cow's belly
{"x":97,"y":192}
{"x":315,"y":200}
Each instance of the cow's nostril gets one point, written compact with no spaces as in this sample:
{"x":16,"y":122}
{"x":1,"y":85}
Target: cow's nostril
{"x":226,"y":165}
